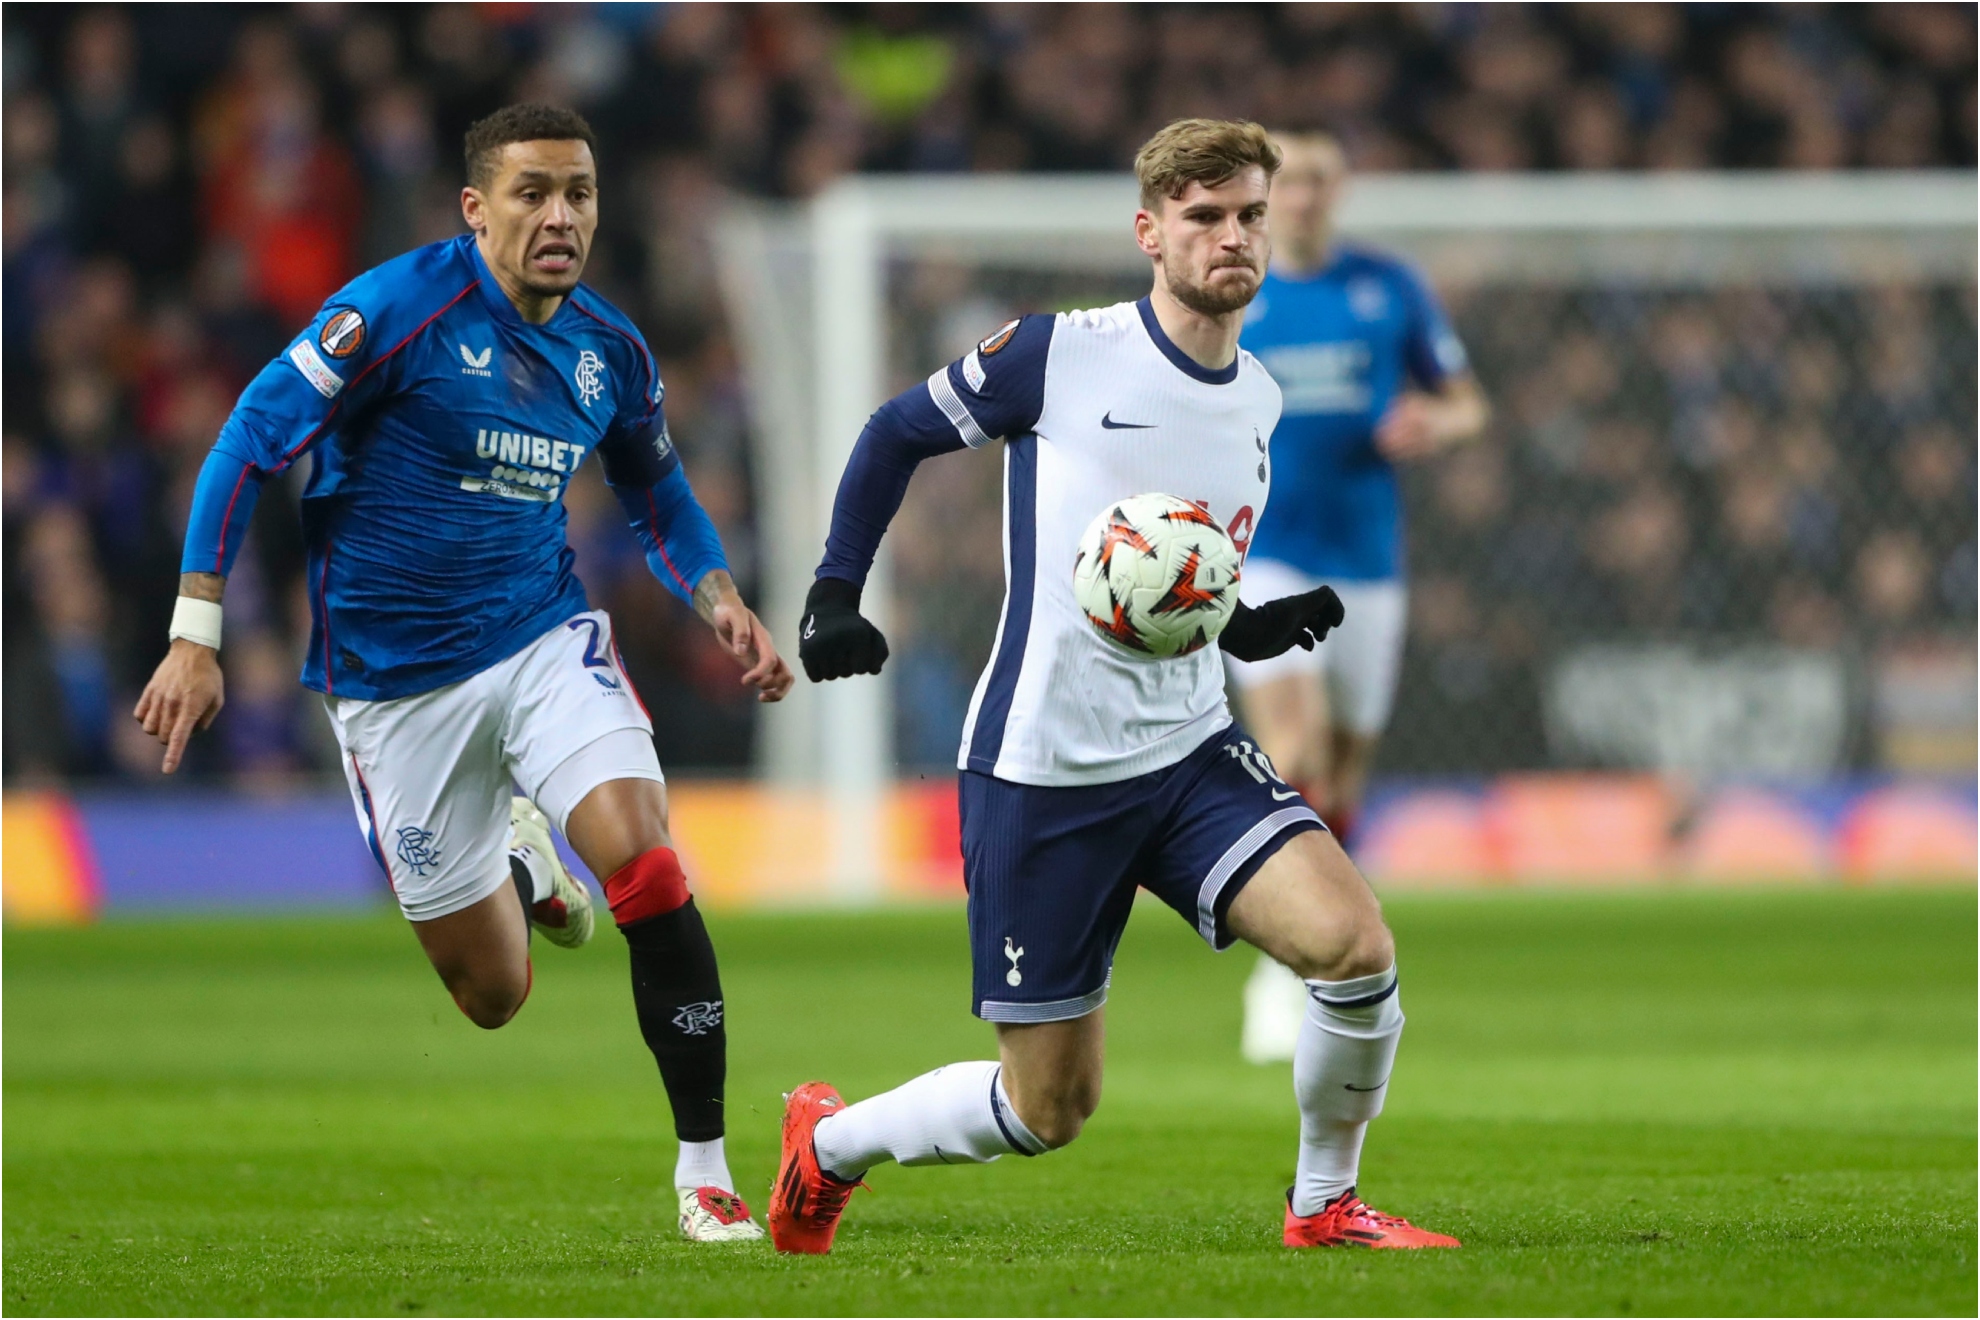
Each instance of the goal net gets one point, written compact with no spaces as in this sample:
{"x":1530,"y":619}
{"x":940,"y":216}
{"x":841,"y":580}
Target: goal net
{"x":1722,"y":524}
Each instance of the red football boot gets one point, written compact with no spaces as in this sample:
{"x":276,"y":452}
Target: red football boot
{"x":806,"y":1202}
{"x":1347,"y":1221}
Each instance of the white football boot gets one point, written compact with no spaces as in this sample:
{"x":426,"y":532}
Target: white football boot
{"x":711,"y":1214}
{"x":564,"y":917}
{"x":1274,"y":1008}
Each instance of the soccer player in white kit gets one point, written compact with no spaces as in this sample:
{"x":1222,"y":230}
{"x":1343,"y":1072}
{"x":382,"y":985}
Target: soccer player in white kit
{"x":1373,"y":377}
{"x":1086,"y":773}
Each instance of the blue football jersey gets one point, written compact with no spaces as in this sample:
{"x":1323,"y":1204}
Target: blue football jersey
{"x":1342,"y":343}
{"x":445,"y":429}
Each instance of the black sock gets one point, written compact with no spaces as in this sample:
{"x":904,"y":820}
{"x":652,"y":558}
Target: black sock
{"x":678,"y":996}
{"x":525,"y":887}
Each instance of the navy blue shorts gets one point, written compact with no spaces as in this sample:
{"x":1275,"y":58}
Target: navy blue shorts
{"x":1052,"y":871}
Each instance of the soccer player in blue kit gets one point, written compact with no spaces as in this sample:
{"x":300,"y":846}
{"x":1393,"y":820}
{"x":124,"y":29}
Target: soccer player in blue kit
{"x":1087,"y":773}
{"x":1372,"y":377}
{"x":447,"y":398}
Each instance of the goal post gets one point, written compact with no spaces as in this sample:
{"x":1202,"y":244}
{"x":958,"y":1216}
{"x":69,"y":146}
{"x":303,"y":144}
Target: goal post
{"x":813,"y":293}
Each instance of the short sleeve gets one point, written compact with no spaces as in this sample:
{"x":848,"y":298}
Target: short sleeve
{"x":1431,"y":349}
{"x":998,"y":389}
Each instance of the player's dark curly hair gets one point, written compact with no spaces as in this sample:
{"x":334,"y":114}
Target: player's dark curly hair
{"x":528,"y":122}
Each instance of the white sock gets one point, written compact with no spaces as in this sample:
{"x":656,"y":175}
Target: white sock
{"x":955,"y":1115}
{"x":1340,"y":1075}
{"x":541,"y":886}
{"x":703,"y":1164}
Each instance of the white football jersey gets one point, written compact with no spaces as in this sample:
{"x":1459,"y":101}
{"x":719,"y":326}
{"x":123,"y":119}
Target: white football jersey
{"x":1095,"y":406}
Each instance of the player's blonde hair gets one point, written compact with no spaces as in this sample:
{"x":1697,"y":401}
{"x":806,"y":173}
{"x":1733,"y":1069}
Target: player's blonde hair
{"x":1205,"y":151}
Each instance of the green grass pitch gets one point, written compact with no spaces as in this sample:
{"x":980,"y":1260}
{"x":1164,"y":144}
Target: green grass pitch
{"x":1644,"y":1103}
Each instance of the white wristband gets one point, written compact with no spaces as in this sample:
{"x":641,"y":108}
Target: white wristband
{"x":196,"y":621}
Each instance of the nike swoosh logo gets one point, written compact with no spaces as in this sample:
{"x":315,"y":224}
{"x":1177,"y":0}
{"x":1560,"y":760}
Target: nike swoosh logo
{"x":1108,"y":423}
{"x":810,"y":627}
{"x":1378,"y":1086}
{"x":1286,"y":796}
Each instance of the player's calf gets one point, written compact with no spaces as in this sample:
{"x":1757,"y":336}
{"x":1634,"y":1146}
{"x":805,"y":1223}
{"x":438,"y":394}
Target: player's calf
{"x":965,"y":1113}
{"x":1057,"y":1116}
{"x":619,"y":827}
{"x":487,"y":1005}
{"x":677,"y":989}
{"x":1052,"y":1071}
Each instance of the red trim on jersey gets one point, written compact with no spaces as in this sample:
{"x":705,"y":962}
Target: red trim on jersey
{"x":653,"y":521}
{"x":220,"y":555}
{"x":376,"y":363}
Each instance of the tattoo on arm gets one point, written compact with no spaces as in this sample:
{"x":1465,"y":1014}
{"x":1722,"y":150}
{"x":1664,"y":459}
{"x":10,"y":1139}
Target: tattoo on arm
{"x":710,"y":591}
{"x":202,"y":586}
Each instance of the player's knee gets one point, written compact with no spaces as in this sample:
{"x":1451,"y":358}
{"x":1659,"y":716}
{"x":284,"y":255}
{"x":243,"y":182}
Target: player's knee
{"x":1359,"y":945}
{"x":488,"y":1010}
{"x":1056,"y":1114}
{"x":1372,"y":952}
{"x":491,"y":1003}
{"x":1059,"y":1125}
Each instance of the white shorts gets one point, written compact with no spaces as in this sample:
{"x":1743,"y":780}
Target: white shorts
{"x":431,"y":775}
{"x":1360,"y":660}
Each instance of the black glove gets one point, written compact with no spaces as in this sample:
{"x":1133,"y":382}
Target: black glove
{"x":1279,"y":625}
{"x":835,"y":640}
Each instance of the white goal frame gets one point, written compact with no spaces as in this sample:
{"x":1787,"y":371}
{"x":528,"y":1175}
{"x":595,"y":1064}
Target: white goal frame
{"x":805,"y":288}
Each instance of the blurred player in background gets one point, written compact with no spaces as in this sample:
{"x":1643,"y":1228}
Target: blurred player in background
{"x":1087,"y":773}
{"x":448,"y":397}
{"x":1372,"y":376}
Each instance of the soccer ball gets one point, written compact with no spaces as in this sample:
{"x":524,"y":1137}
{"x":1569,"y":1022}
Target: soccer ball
{"x":1156,"y":576}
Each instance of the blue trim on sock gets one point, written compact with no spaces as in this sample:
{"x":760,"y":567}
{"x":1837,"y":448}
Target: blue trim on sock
{"x":1366,"y":1001}
{"x":997,"y":1112}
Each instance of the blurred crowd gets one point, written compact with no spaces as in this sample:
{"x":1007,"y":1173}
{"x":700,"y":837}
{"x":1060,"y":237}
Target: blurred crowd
{"x":184,"y":184}
{"x":1744,"y":465}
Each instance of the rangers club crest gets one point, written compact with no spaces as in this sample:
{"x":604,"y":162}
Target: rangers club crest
{"x":699,"y":1019}
{"x":416,"y":849}
{"x":590,"y":376}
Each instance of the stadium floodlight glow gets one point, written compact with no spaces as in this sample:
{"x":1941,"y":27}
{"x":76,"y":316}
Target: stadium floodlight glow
{"x":808,"y":291}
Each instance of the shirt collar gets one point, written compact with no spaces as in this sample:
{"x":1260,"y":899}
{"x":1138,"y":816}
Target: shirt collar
{"x":1184,"y":363}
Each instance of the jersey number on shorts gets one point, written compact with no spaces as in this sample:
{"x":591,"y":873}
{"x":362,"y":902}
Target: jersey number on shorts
{"x":1259,"y":767}
{"x":600,"y":667}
